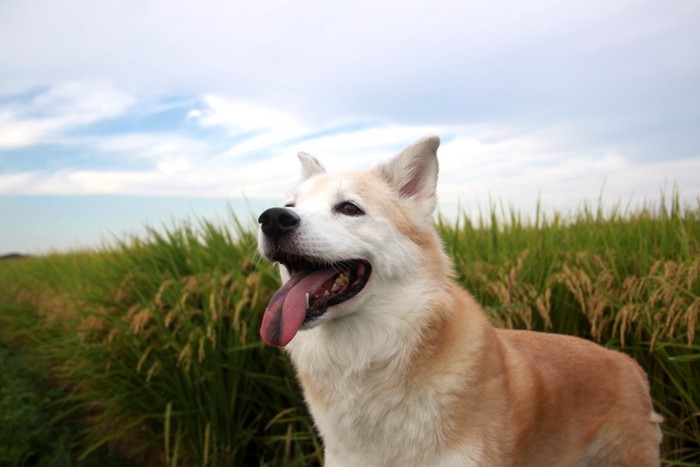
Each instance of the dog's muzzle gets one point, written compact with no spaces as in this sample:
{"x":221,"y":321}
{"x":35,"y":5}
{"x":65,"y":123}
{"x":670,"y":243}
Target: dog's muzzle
{"x":314,"y":285}
{"x":275,"y":223}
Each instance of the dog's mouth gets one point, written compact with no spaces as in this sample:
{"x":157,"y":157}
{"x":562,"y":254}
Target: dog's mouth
{"x":313,"y":288}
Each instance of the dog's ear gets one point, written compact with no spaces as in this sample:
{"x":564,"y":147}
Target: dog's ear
{"x":310,"y":166}
{"x":413,"y":173}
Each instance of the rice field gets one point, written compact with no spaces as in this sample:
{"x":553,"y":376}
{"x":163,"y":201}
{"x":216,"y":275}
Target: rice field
{"x":152,"y":353}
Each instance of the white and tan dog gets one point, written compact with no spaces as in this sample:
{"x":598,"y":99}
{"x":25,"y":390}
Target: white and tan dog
{"x":401,"y":367}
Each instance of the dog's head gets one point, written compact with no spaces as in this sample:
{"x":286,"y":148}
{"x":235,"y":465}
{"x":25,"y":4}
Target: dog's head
{"x":343,"y":236}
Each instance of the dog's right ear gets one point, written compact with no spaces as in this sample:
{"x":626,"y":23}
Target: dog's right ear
{"x":413,"y":173}
{"x":310,"y":166}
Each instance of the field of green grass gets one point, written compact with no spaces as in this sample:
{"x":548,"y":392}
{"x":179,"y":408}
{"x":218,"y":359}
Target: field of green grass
{"x":148,"y":352}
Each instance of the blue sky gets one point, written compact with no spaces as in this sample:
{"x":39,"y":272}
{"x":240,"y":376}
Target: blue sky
{"x":117,"y":115}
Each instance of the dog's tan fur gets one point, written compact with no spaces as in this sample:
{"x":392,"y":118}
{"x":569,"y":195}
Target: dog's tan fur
{"x":434,"y":383}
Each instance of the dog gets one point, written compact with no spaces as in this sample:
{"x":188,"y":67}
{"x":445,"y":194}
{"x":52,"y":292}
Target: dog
{"x":401,"y":367}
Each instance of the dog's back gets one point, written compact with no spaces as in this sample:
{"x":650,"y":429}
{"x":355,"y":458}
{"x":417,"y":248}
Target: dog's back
{"x":576,"y":403}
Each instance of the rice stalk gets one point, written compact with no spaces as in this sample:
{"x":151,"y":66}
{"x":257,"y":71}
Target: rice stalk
{"x":157,"y":337}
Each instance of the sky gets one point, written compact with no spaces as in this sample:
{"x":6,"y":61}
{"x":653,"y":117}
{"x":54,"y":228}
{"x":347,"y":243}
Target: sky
{"x":117,"y":116}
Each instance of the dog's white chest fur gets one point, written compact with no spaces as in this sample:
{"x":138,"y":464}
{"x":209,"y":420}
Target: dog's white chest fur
{"x":371,"y":412}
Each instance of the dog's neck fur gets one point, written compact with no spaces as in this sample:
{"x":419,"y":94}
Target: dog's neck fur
{"x":364,"y":370}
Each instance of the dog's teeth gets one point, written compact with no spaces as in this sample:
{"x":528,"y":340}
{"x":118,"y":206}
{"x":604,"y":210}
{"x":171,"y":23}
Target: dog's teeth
{"x":340,"y":282}
{"x":307,"y":300}
{"x":326,"y":293}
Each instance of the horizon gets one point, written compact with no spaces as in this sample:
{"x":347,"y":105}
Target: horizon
{"x":195,"y":215}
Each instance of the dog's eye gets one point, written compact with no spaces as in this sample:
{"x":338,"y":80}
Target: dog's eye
{"x":349,"y":209}
{"x":290,"y":205}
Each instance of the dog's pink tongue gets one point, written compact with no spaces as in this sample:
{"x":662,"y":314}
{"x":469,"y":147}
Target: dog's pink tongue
{"x":286,"y":311}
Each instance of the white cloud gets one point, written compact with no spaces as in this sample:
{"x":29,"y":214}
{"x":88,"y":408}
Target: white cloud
{"x":457,"y":59}
{"x":166,"y":149}
{"x":527,"y":170}
{"x":53,"y":112}
{"x":16,"y":183}
{"x":476,"y":163}
{"x":16,"y":132}
{"x":172,"y":165}
{"x":240,"y":116}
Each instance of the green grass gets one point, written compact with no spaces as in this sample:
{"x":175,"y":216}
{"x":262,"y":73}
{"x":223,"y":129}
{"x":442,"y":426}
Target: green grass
{"x":155,"y":341}
{"x":39,"y":424}
{"x":159,"y":339}
{"x":27,"y":436}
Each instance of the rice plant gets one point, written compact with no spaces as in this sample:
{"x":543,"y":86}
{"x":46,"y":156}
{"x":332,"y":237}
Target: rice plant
{"x":156,"y":339}
{"x":159,"y":341}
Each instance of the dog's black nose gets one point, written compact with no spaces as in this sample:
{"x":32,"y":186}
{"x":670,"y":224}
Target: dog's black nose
{"x":276,"y":222}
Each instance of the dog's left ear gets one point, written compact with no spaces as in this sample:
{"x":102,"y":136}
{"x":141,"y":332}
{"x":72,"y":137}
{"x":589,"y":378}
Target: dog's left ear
{"x":413,"y":173}
{"x":310,"y":166}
